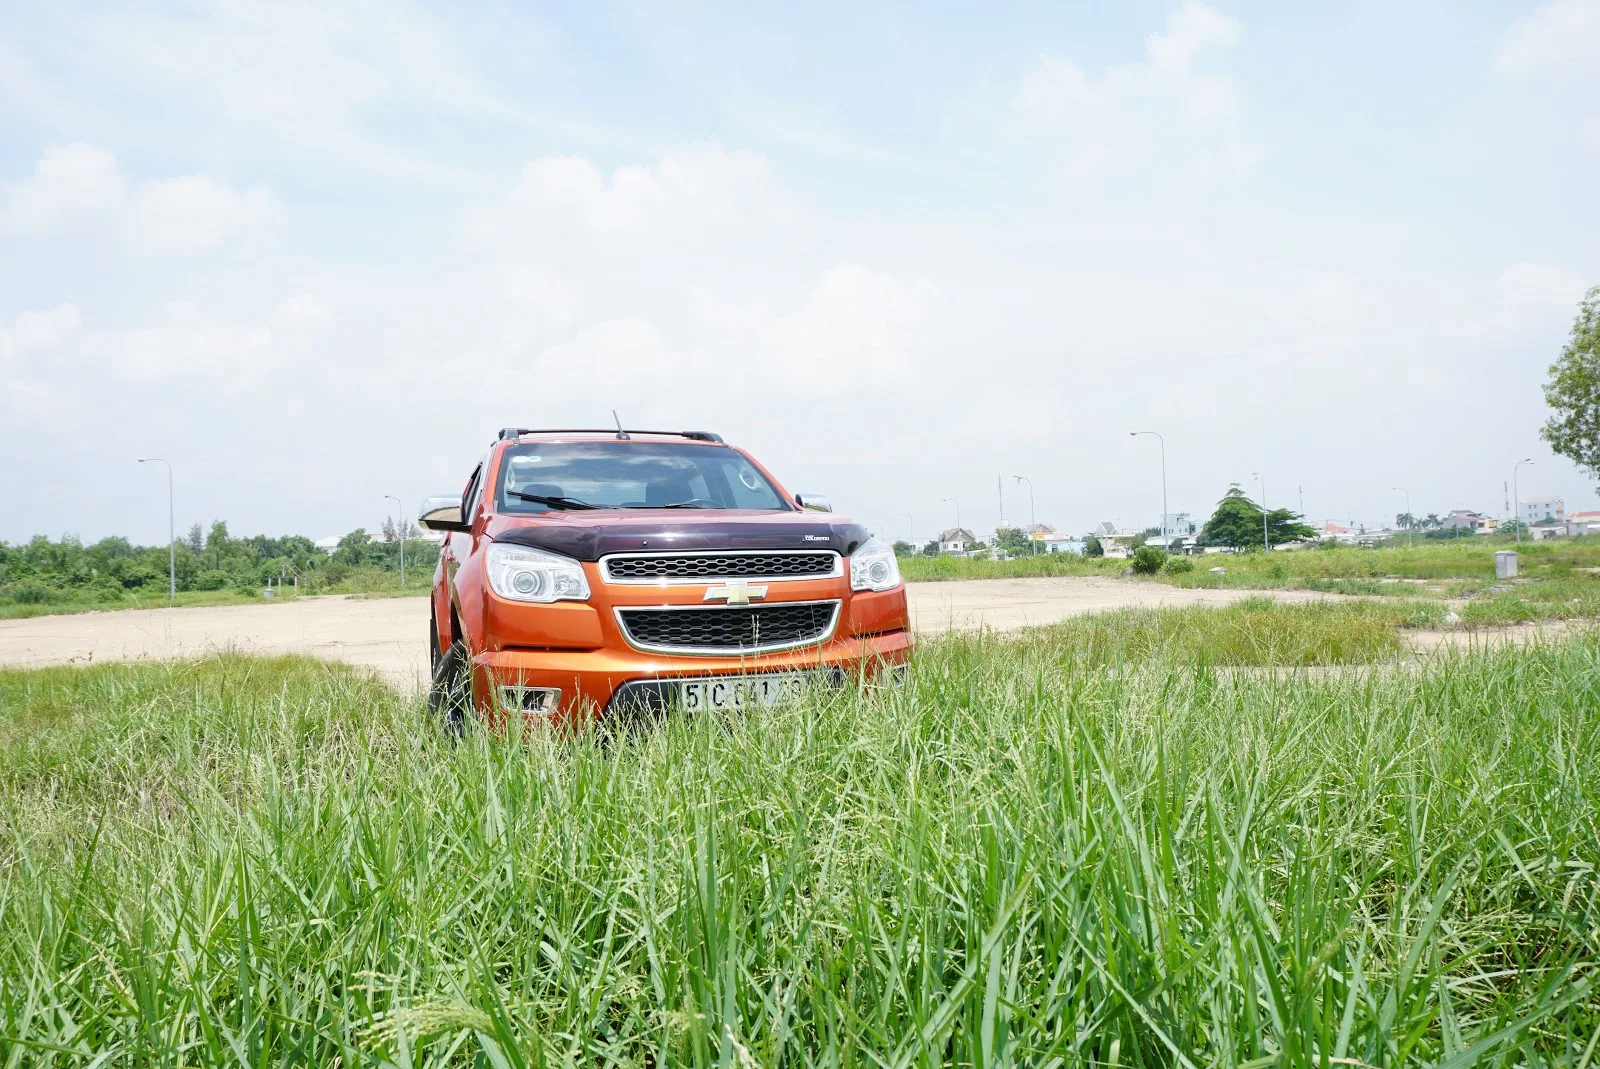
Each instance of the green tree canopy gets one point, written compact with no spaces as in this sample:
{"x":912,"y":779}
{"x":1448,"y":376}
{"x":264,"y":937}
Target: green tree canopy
{"x":1237,"y":523}
{"x":1573,"y":391}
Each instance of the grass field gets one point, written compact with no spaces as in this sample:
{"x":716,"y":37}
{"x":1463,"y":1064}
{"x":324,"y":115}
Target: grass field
{"x":368,"y":582}
{"x":1087,"y":845}
{"x":1464,"y":559}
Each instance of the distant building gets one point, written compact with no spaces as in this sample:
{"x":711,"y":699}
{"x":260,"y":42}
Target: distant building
{"x":1061,"y":544}
{"x":1467,"y":520}
{"x":956,"y":540}
{"x":1181,"y":524}
{"x":1532,"y":510}
{"x":327,"y":545}
{"x":1583,"y":523}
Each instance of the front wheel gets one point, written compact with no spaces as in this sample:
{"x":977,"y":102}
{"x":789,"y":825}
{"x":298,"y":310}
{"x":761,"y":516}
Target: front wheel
{"x":450,"y":693}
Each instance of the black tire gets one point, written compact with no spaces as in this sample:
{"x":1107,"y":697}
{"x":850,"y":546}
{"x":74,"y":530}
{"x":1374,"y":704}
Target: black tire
{"x":450,"y":695}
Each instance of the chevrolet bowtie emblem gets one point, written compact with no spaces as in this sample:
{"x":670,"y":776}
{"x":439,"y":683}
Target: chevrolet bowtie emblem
{"x":735,"y":593}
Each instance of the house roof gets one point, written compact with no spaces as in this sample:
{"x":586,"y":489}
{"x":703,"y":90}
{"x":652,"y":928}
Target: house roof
{"x":956,"y":534}
{"x":1587,"y":514}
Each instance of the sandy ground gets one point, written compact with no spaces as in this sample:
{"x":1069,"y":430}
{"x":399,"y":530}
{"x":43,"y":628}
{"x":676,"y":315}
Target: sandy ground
{"x":390,"y":634}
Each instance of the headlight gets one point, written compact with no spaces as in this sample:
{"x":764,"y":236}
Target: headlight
{"x":873,"y":567}
{"x":522,"y":574}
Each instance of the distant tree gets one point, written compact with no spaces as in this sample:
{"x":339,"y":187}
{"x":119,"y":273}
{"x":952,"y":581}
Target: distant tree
{"x":1014,"y":542}
{"x":195,"y":540}
{"x":1092,"y":547}
{"x":1405,"y":521}
{"x":1286,"y":526}
{"x":1573,"y":391}
{"x":931,"y":549}
{"x":1237,"y":523}
{"x":390,"y":534}
{"x":1433,"y":522}
{"x":904,"y":549}
{"x":354,"y":548}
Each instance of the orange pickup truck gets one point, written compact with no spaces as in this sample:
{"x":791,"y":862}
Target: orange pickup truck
{"x":590,"y":573}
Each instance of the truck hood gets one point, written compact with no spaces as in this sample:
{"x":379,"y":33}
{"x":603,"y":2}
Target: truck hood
{"x":585,"y":535}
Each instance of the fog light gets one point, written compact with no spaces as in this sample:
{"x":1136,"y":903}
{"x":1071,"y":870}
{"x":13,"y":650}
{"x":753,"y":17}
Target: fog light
{"x":531,"y":701}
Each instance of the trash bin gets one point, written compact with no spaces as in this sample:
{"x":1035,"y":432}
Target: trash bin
{"x":1505,"y":564}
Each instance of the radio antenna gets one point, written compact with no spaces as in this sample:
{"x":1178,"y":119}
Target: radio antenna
{"x":621,"y":434}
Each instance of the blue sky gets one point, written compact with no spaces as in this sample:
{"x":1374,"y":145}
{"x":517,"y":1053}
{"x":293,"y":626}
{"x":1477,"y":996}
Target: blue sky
{"x":316,"y":253}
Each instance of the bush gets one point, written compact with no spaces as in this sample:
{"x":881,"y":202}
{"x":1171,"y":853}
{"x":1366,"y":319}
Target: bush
{"x":1147,"y":560}
{"x":1093,"y":548}
{"x":1177,"y":565}
{"x":335,"y":572}
{"x":210,"y":580}
{"x":28,"y":592}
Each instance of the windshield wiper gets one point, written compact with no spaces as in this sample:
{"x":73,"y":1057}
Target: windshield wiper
{"x":686,"y":505}
{"x":553,"y":502}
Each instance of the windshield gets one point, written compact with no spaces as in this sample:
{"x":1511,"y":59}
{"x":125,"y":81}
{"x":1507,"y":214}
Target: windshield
{"x":540,"y":476}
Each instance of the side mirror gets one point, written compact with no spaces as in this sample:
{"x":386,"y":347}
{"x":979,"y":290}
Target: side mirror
{"x":814,"y":502}
{"x":442,"y":513}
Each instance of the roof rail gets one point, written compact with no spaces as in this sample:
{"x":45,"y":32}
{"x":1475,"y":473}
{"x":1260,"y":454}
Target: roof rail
{"x":517,"y":432}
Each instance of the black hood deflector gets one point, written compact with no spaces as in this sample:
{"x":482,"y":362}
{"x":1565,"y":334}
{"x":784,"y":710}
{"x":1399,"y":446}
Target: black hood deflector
{"x":593,"y":542}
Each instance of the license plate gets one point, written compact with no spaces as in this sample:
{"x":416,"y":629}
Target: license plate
{"x":740,"y":692}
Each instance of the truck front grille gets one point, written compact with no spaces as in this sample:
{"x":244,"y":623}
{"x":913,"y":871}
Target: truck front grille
{"x":733,"y":629}
{"x":717,"y":565}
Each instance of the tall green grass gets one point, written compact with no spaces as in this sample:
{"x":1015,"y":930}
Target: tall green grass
{"x":1471,"y":559}
{"x":1019,"y":858}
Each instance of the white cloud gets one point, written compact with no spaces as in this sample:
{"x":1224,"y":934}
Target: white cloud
{"x":189,"y":344}
{"x":303,"y":313}
{"x":195,"y":212}
{"x":35,"y":330}
{"x":1163,"y":106}
{"x":1190,"y":30}
{"x":1559,"y":34}
{"x":80,"y":185}
{"x":566,"y":202}
{"x":70,"y":183}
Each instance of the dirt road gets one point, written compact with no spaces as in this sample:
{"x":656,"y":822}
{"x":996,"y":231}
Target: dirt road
{"x":389,"y":634}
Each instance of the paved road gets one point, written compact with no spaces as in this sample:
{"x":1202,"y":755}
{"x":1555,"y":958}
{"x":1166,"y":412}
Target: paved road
{"x":390,"y":634}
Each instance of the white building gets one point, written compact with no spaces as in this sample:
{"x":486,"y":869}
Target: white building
{"x":1532,"y":510}
{"x":955,"y":540}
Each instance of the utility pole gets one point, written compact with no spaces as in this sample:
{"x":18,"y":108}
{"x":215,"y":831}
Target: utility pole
{"x":1000,"y":489}
{"x":402,"y":532}
{"x":1033,"y":522}
{"x":1163,"y":441}
{"x":172,"y":534}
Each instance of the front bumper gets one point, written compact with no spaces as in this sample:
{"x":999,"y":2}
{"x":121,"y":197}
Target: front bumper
{"x":609,"y":681}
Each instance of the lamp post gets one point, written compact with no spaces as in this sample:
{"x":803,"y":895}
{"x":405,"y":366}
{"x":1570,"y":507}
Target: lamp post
{"x":1262,"y":479}
{"x":1033,"y":523}
{"x":172,"y":541}
{"x":1163,"y":441}
{"x":1411,"y":521}
{"x":1516,"y":501}
{"x":402,"y":532}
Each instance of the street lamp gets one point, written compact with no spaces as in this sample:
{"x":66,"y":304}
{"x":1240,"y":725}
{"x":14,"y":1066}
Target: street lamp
{"x":172,"y":540}
{"x":1163,"y":441}
{"x":1033,"y":542}
{"x":402,"y":510}
{"x":1516,"y":501}
{"x":1411,"y":521}
{"x":957,"y":504}
{"x":1262,"y":479}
